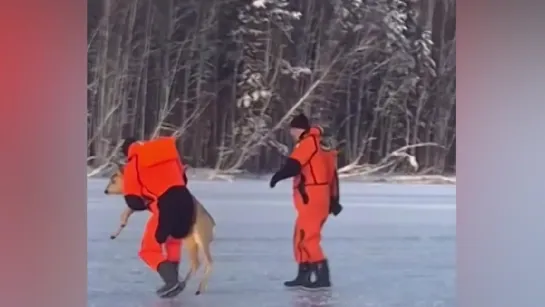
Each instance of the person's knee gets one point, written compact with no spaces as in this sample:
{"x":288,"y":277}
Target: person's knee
{"x":310,"y":226}
{"x":174,"y":252}
{"x":173,"y":244}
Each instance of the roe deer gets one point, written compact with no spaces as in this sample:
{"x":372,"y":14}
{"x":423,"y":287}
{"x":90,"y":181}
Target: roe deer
{"x":199,"y":240}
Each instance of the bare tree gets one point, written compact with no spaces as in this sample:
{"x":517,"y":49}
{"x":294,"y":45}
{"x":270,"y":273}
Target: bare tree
{"x":224,"y":77}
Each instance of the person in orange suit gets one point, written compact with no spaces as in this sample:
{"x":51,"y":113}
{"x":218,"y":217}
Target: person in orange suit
{"x":312,"y":169}
{"x":155,"y":180}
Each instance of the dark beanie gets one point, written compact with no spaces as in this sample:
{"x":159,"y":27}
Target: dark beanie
{"x":300,"y":121}
{"x":126,"y":144}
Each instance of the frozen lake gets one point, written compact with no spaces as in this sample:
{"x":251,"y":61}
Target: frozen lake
{"x":393,"y":245}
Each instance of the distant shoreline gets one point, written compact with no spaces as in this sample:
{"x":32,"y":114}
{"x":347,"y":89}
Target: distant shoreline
{"x":206,"y":175}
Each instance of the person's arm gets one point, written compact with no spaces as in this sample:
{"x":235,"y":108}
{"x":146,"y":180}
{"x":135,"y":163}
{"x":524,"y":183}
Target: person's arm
{"x":301,"y":155}
{"x":335,"y":207}
{"x":132,"y":188}
{"x":335,"y":187}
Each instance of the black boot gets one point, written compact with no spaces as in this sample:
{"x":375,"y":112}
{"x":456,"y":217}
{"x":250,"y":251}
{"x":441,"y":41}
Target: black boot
{"x":177,"y":266}
{"x":301,"y":278}
{"x":169,"y":273}
{"x":321,"y":272}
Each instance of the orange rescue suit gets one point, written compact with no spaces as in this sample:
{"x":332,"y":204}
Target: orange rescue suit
{"x":311,"y":196}
{"x":155,"y":180}
{"x":310,"y":165}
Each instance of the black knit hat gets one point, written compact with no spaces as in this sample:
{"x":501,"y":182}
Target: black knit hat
{"x":300,"y":121}
{"x":126,"y":144}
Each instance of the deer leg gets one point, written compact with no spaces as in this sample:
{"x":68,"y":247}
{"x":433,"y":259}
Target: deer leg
{"x":207,"y":267}
{"x":193,"y":254}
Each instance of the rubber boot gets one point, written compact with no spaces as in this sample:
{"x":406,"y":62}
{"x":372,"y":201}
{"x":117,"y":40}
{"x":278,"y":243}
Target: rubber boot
{"x":177,"y":266}
{"x":322,"y":279}
{"x":168,"y":272}
{"x":301,"y":278}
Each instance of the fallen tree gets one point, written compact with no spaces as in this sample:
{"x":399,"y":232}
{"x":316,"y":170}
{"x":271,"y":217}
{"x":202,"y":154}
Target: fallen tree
{"x":386,"y":164}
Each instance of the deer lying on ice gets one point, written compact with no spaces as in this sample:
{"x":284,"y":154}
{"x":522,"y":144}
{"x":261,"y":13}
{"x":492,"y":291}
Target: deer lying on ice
{"x":199,"y":239}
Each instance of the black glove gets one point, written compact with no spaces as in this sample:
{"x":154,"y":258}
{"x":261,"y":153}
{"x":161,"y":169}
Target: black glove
{"x":274,"y":181}
{"x":335,"y":208}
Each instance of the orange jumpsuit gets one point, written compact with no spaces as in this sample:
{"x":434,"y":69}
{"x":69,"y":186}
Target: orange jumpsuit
{"x":155,"y":173}
{"x":311,"y":196}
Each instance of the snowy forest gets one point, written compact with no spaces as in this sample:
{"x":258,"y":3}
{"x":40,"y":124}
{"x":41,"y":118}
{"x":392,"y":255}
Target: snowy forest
{"x":226,"y":76}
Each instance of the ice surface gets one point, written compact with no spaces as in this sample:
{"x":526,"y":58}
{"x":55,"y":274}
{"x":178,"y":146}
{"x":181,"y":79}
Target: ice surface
{"x":393,"y":245}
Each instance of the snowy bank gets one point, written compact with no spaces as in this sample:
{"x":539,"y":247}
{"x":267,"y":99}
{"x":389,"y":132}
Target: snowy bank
{"x":210,"y":174}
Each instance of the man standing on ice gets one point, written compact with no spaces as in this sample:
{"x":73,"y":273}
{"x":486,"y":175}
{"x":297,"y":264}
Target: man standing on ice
{"x":155,"y":180}
{"x":314,"y":199}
